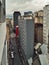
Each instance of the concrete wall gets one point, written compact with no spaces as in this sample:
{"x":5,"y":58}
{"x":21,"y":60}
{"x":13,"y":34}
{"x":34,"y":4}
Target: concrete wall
{"x":2,"y":38}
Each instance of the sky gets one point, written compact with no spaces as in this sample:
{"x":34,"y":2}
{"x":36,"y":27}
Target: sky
{"x":24,"y":5}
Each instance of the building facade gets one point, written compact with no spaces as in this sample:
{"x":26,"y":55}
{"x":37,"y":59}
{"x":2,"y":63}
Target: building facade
{"x":28,"y":13}
{"x":38,"y":17}
{"x":38,"y":33}
{"x":46,"y":26}
{"x":16,"y":14}
{"x":38,"y":20}
{"x":26,"y":30}
{"x":2,"y":33}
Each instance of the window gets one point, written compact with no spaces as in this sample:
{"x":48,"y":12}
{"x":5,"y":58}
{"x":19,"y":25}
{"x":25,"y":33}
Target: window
{"x":2,"y":11}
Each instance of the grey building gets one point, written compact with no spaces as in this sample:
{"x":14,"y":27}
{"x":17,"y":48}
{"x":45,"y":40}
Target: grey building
{"x":16,"y":14}
{"x":46,"y":26}
{"x":28,"y":13}
{"x":26,"y":29}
